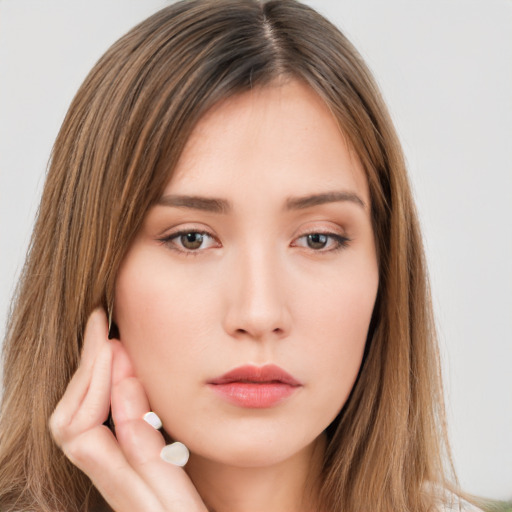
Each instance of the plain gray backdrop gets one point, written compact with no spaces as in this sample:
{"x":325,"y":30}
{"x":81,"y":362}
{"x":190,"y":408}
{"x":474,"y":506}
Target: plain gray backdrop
{"x":445,"y":70}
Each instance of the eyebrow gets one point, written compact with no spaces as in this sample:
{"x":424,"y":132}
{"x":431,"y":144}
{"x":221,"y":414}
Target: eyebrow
{"x":223,"y":206}
{"x":207,"y":204}
{"x":299,"y":203}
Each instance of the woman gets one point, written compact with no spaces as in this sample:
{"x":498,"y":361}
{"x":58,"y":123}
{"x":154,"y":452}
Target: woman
{"x":228,"y":202}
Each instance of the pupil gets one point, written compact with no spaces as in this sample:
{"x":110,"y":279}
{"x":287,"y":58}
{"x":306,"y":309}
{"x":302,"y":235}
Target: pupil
{"x":317,"y":241}
{"x":192,"y":240}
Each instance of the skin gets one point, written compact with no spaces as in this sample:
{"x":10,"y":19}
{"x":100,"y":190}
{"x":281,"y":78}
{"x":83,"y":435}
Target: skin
{"x":253,"y":289}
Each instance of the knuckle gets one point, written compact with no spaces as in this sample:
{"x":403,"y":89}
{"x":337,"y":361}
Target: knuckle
{"x":127,"y":433}
{"x":57,"y":425}
{"x":131,"y":437}
{"x":77,"y":451}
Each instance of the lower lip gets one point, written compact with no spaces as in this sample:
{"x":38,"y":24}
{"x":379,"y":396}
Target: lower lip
{"x":253,"y":395}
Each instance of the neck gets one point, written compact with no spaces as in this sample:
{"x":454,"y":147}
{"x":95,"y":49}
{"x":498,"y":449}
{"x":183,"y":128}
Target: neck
{"x":291,"y":484}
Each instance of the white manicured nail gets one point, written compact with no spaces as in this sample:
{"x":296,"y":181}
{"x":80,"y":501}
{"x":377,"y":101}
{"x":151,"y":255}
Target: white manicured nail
{"x":175,"y":453}
{"x":153,"y":419}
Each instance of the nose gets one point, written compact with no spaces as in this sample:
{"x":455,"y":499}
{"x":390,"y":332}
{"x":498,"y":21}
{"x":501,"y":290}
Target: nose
{"x":257,"y":297}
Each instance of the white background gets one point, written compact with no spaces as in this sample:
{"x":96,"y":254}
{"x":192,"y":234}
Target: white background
{"x":445,"y":69}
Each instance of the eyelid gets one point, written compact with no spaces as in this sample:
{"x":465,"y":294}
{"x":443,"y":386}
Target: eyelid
{"x":331,"y":229}
{"x":341,"y":240}
{"x":170,"y":237}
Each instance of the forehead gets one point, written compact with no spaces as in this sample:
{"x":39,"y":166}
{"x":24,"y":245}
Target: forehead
{"x":270,"y":140}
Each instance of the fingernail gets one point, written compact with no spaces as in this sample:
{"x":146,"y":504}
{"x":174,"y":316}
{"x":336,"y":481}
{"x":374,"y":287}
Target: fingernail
{"x":175,"y":453}
{"x":153,"y":419}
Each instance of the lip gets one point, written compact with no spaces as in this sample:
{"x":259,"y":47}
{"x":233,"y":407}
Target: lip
{"x":255,"y":387}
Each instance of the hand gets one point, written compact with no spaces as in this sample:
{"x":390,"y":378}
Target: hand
{"x":126,"y":468}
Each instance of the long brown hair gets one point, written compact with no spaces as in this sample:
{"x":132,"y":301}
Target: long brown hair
{"x":117,"y":148}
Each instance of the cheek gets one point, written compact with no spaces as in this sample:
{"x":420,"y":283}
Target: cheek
{"x":165,"y":316}
{"x":334,"y":321}
{"x":336,"y":306}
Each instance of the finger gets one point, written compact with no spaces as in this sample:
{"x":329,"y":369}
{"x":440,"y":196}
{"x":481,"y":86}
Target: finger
{"x":96,"y":403}
{"x":96,"y":332}
{"x":77,"y":425}
{"x":122,"y":366}
{"x":97,"y":453}
{"x":141,"y":443}
{"x":94,"y":339}
{"x":91,"y":446}
{"x":69,"y":419}
{"x":130,"y":404}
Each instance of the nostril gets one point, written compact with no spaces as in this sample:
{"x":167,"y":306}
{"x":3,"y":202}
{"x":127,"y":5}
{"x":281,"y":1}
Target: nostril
{"x":245,"y":332}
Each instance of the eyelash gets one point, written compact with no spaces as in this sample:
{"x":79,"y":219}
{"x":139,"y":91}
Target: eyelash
{"x":341,"y":242}
{"x":167,"y":240}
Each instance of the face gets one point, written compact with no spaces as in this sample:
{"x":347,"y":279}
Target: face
{"x":259,"y":258}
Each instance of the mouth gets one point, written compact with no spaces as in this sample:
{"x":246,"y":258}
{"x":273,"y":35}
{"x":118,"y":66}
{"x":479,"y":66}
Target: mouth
{"x":255,"y":387}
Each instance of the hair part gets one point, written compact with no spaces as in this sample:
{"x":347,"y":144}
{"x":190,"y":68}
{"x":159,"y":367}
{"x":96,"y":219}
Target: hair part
{"x":117,"y":148}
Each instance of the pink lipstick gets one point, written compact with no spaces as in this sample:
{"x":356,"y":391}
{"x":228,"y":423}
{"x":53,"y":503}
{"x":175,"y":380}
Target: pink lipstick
{"x":255,"y":387}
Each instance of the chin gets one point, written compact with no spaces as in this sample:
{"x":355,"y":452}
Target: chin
{"x":250,"y":448}
{"x":248,"y":455}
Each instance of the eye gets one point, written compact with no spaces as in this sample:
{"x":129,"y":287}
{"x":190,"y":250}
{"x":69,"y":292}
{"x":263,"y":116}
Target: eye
{"x":322,"y":242}
{"x":189,"y":241}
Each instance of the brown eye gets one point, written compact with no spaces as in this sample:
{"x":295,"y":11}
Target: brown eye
{"x":192,"y":240}
{"x":322,"y":242}
{"x":317,"y":240}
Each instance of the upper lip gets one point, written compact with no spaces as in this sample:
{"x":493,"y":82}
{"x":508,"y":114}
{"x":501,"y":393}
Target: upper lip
{"x":251,"y":373}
